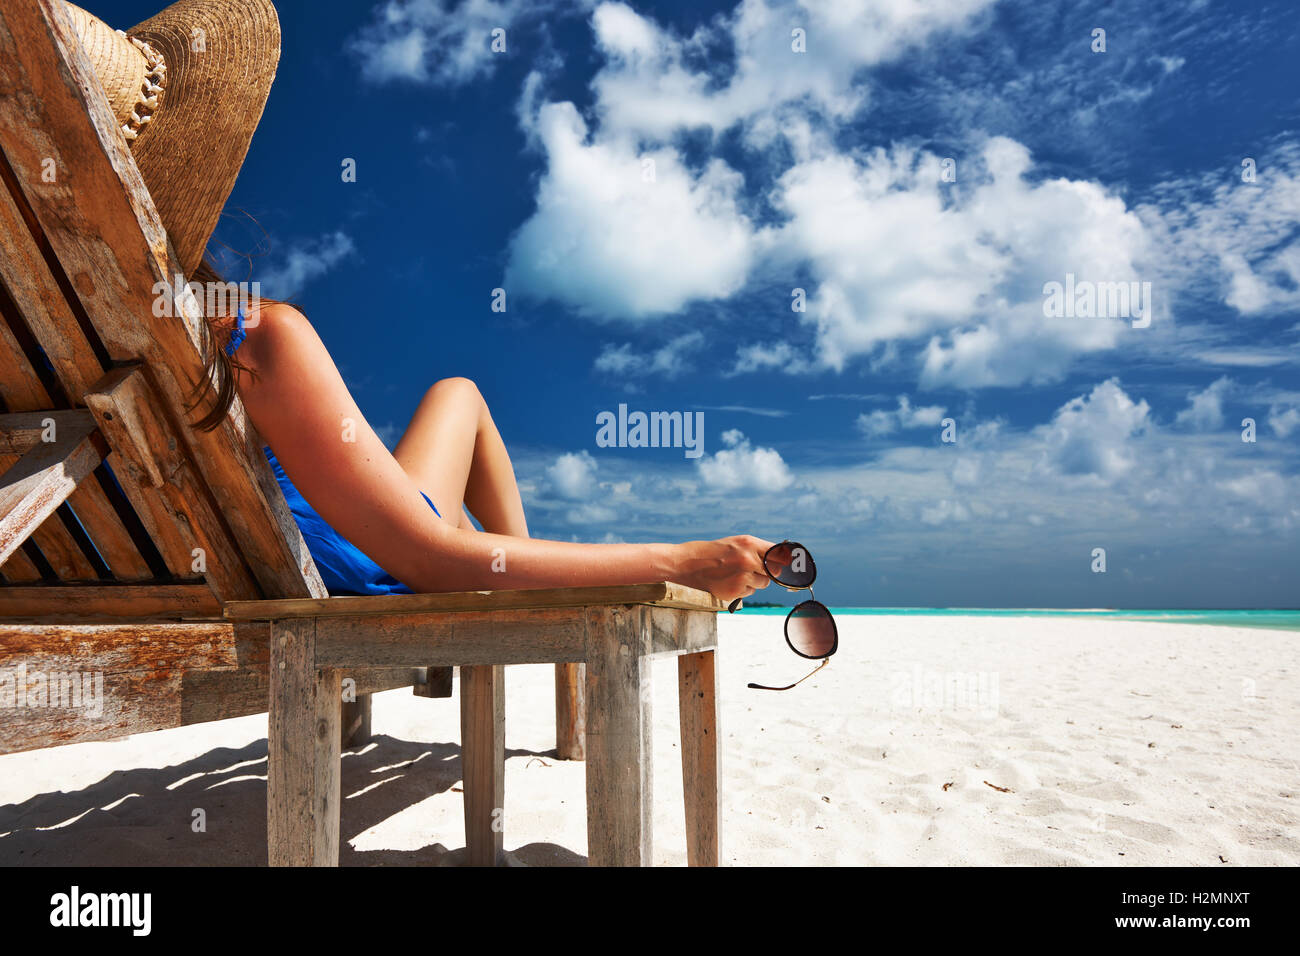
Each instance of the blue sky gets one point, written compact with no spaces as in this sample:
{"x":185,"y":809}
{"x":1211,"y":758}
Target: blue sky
{"x":529,"y":170}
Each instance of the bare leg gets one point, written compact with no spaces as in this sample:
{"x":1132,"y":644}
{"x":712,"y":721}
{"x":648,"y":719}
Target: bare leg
{"x":453,"y":451}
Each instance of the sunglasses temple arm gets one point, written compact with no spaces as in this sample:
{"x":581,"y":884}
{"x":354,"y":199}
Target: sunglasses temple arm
{"x":796,"y":683}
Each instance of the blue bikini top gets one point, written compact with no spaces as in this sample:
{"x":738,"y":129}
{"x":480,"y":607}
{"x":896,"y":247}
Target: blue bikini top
{"x":238,"y":335}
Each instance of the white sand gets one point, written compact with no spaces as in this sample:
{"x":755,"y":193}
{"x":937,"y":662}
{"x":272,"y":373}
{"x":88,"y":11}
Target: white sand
{"x":1122,"y":743}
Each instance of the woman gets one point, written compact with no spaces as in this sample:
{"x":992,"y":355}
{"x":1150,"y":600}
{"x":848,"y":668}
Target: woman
{"x":175,"y":101}
{"x":451,"y":457}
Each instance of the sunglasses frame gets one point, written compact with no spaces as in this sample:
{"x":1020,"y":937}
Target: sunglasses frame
{"x":835,"y":630}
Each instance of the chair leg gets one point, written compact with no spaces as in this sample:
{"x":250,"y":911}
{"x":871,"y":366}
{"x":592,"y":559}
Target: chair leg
{"x":355,"y":729}
{"x":483,"y":756}
{"x":698,"y":702}
{"x":570,"y":711}
{"x":619,"y":769}
{"x":437,"y":683}
{"x":302,"y":780}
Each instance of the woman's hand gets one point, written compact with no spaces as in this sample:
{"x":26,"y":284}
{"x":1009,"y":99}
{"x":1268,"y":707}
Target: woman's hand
{"x":728,"y":568}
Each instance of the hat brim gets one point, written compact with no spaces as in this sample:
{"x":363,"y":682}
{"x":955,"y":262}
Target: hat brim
{"x":221,"y":58}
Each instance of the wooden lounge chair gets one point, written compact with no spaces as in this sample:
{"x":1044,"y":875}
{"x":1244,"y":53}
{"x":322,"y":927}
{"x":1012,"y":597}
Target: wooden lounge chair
{"x":165,"y":559}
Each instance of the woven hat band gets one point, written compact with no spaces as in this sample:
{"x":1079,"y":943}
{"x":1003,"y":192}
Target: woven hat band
{"x":131,"y":71}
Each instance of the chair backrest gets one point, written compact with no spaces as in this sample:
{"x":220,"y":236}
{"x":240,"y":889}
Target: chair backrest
{"x":112,"y":505}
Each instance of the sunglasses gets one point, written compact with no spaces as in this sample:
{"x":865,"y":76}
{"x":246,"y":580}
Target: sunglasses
{"x":809,"y":627}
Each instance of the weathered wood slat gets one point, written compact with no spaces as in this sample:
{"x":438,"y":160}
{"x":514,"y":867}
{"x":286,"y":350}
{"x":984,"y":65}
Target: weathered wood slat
{"x":20,"y":568}
{"x":109,"y":532}
{"x":20,"y":386}
{"x":68,"y":602}
{"x":620,"y":775}
{"x":662,"y":594}
{"x":570,"y":711}
{"x":546,"y":635}
{"x":218,"y":695}
{"x":62,"y":551}
{"x":133,"y":702}
{"x":36,"y":293}
{"x":436,"y":682}
{"x":163,"y":485}
{"x":675,"y":631}
{"x":354,"y":729}
{"x":483,"y":762}
{"x":302,"y":781}
{"x":139,"y":702}
{"x":56,"y":544}
{"x":115,"y":679}
{"x":20,"y":432}
{"x":29,"y":409}
{"x":156,"y":676}
{"x":43,"y":478}
{"x":100,"y":222}
{"x":697,"y":701}
{"x":115,"y":648}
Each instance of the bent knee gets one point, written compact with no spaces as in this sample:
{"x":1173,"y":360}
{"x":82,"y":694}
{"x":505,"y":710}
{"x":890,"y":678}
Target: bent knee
{"x":462,"y":389}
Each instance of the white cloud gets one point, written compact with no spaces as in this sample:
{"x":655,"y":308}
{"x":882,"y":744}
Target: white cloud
{"x":968,"y":471}
{"x":1283,"y":420}
{"x":669,"y":360}
{"x":907,"y":268}
{"x":1262,"y":486}
{"x":1233,"y":238}
{"x":1029,"y":500}
{"x":304,"y":262}
{"x":573,"y":475}
{"x":610,"y":244}
{"x":590,"y":513}
{"x":1243,"y":357}
{"x":1204,"y":411}
{"x":760,"y":357}
{"x":902,"y":257}
{"x":945,"y":512}
{"x":1090,"y":435}
{"x":437,"y":41}
{"x":885,"y":422}
{"x":652,"y":86}
{"x":741,"y":467}
{"x":748,"y":410}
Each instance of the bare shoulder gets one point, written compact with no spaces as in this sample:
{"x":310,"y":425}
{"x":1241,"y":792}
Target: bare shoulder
{"x":280,"y":317}
{"x":275,"y":332}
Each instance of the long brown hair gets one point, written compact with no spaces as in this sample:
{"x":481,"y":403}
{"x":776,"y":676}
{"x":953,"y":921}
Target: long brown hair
{"x":216,"y":361}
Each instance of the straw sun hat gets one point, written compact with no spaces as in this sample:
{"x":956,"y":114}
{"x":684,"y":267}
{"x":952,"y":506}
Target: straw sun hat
{"x":187,"y":87}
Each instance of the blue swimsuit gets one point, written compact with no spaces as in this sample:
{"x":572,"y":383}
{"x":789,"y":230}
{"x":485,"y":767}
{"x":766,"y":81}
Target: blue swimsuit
{"x":344,"y":567}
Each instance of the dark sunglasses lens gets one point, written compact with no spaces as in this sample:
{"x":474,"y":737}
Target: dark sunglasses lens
{"x":789,"y":563}
{"x":811,"y":630}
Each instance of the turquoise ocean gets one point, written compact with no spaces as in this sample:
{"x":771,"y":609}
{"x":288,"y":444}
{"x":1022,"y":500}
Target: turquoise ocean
{"x":1275,"y":619}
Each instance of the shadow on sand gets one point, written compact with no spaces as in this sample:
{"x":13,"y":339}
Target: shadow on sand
{"x":144,"y":817}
